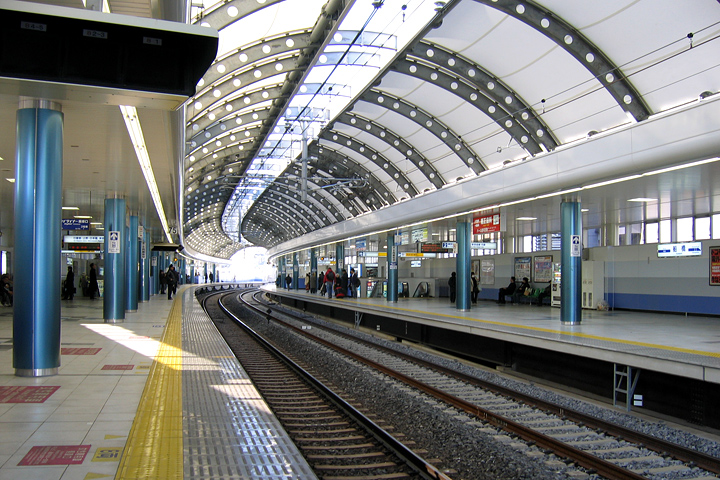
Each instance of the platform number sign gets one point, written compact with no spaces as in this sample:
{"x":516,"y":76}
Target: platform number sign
{"x":114,"y":242}
{"x":575,"y":246}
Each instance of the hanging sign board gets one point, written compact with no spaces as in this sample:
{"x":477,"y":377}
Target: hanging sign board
{"x":486,"y":223}
{"x":75,"y":224}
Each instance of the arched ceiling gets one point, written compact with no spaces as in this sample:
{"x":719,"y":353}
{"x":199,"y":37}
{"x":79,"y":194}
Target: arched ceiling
{"x":486,"y":83}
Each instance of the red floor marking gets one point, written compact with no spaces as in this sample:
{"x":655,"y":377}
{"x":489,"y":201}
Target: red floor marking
{"x":17,"y":394}
{"x":117,"y":367}
{"x":79,"y":351}
{"x":56,"y":455}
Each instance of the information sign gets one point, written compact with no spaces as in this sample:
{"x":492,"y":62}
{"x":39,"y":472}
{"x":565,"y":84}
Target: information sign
{"x":486,"y":223}
{"x":575,"y":246}
{"x":75,"y":224}
{"x":687,"y":249}
{"x":484,"y":245}
{"x":114,"y":242}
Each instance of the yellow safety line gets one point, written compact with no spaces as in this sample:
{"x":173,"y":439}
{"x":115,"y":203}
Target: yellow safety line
{"x":561,"y":332}
{"x":154,"y":447}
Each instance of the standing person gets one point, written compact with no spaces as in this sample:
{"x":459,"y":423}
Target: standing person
{"x":69,"y":285}
{"x":321,"y":282}
{"x":509,"y":290}
{"x":212,"y":277}
{"x":171,"y":278}
{"x":313,"y":282}
{"x":342,"y":284}
{"x":93,"y":287}
{"x":474,"y":287}
{"x":452,"y":283}
{"x":288,"y":281}
{"x":163,"y":282}
{"x":329,"y":281}
{"x":354,"y":283}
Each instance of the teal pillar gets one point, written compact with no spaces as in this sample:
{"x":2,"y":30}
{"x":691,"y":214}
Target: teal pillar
{"x":392,"y":268}
{"x":154,"y":273}
{"x":38,"y":215}
{"x":132,"y":266}
{"x":462,"y":265}
{"x":183,"y":271}
{"x":571,"y":255}
{"x":114,"y":293}
{"x":313,"y":263}
{"x":192,"y":272}
{"x":340,"y":257}
{"x":144,"y":266}
{"x":215,"y":279}
{"x":296,"y":272}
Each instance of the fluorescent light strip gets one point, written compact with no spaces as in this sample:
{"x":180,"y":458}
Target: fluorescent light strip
{"x":132,"y":122}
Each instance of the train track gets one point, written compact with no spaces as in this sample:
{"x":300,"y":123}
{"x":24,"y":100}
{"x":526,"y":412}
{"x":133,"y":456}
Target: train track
{"x":338,"y":441}
{"x":608,"y":449}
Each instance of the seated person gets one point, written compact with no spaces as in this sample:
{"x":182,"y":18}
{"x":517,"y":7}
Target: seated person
{"x":521,"y":289}
{"x":509,"y":290}
{"x":545,"y":293}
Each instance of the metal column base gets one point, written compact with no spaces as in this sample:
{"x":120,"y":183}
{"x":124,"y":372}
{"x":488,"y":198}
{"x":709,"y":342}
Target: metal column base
{"x":36,"y":372}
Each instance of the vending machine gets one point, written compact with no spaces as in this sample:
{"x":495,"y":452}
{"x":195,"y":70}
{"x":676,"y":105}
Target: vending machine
{"x":555,"y":291}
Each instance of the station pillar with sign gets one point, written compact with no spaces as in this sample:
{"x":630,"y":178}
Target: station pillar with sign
{"x":131,"y":266}
{"x":462,"y":265}
{"x":114,"y":274}
{"x":38,"y":215}
{"x":392,"y":268}
{"x":571,"y":268}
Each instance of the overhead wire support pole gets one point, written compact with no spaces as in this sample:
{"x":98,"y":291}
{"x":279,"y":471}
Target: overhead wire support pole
{"x":303,"y":179}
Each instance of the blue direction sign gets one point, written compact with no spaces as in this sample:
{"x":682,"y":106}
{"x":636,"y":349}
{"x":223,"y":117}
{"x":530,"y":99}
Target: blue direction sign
{"x":75,"y":224}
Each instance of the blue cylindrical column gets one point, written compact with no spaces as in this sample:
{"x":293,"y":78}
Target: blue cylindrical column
{"x":571,"y":269}
{"x":183,"y":271}
{"x":392,"y":266}
{"x":145,"y":266}
{"x":132,"y":266}
{"x":462,"y":265}
{"x":114,"y":294}
{"x":313,"y":264}
{"x":215,"y":279}
{"x":296,"y":271}
{"x":38,"y":215}
{"x":339,"y":257}
{"x":192,"y":272}
{"x":155,"y":272}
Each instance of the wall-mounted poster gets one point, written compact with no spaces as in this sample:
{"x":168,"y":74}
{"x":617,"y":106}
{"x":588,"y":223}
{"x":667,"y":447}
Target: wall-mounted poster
{"x":522,"y":268}
{"x":543,"y":269}
{"x":714,"y":265}
{"x":487,"y":271}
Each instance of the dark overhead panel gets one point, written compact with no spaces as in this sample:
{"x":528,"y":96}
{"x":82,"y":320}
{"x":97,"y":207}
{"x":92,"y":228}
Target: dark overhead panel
{"x":83,"y":47}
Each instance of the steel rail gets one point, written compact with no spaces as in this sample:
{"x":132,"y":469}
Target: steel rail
{"x":584,"y":459}
{"x":415,"y":462}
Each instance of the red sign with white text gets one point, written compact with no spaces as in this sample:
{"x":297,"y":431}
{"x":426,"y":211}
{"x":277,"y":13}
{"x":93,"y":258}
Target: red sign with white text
{"x":486,"y":223}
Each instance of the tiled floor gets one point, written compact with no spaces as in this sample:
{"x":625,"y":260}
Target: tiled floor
{"x":101,"y":378}
{"x":159,"y":396}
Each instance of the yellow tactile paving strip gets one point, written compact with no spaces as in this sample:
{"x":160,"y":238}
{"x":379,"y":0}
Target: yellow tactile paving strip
{"x":154,"y":448}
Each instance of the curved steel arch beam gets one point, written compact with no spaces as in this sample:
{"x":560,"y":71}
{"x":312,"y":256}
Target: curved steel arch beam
{"x":228,"y":125}
{"x":372,"y":155}
{"x":324,"y":210}
{"x":473,"y":96}
{"x":574,"y":42}
{"x":395,"y":141}
{"x":292,"y":226}
{"x":491,"y":86}
{"x":260,"y":52}
{"x":245,"y":102}
{"x":329,"y":156}
{"x":443,"y":133}
{"x":223,"y":14}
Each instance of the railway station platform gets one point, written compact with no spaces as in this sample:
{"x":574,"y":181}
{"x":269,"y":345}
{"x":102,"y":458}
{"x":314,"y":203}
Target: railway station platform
{"x":159,"y":396}
{"x":685,"y":346}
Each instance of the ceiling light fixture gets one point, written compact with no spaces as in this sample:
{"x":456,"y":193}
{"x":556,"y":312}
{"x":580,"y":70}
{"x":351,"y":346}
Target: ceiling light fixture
{"x":132,"y":122}
{"x":71,"y":208}
{"x":82,"y":216}
{"x":526,"y":218}
{"x":642,"y":199}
